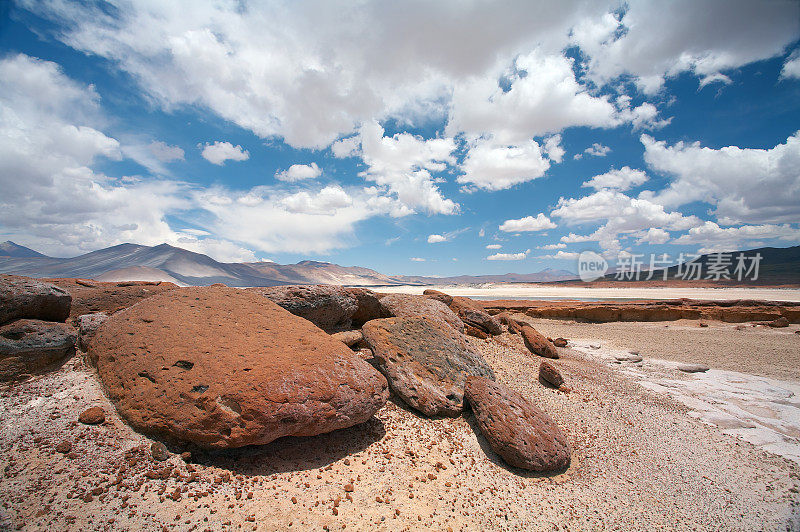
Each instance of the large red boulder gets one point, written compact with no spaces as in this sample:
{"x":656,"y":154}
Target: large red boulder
{"x":331,"y":308}
{"x":426,"y":362}
{"x":221,"y":367}
{"x":522,"y":434}
{"x":31,"y":346}
{"x":368,"y":306}
{"x":21,"y":297}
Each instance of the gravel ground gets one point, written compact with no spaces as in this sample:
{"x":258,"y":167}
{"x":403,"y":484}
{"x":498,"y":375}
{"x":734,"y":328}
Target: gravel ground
{"x":639,"y":463}
{"x":758,"y":350}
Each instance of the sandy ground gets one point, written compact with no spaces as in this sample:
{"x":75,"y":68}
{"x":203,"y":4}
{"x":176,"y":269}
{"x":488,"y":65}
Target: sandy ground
{"x":742,"y":347}
{"x":523,"y":291}
{"x":640,"y":462}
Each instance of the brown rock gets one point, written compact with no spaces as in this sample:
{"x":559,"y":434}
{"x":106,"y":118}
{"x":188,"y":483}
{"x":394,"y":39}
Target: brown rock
{"x":439,"y":296}
{"x":31,"y":346}
{"x":518,"y":431}
{"x":537,"y":343}
{"x":349,"y":338}
{"x":159,"y":451}
{"x":330,"y":308}
{"x":779,"y":323}
{"x":425,"y":361}
{"x":469,"y":330}
{"x":92,"y":416}
{"x":550,"y":374}
{"x":473,"y":315}
{"x":560,"y":342}
{"x":87,"y":328}
{"x":368,"y":306}
{"x":221,"y":367}
{"x":64,"y":447}
{"x":405,"y":306}
{"x":514,"y":326}
{"x":24,"y":298}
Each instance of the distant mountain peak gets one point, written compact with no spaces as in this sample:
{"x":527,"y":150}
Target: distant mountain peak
{"x":12,"y":249}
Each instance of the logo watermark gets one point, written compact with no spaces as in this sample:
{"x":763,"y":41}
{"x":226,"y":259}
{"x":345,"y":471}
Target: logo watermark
{"x":687,"y":267}
{"x":591,"y":266}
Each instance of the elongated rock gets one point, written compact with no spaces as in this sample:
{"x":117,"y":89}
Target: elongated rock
{"x":220,"y":367}
{"x":522,"y":434}
{"x":425,"y":361}
{"x":537,"y":343}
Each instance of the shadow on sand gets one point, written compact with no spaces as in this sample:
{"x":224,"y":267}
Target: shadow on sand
{"x":295,"y":453}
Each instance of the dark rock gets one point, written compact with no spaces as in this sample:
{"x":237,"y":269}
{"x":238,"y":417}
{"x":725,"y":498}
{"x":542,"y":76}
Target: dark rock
{"x":24,"y":298}
{"x":30,"y":346}
{"x":560,"y":342}
{"x":425,"y":361}
{"x":221,"y":367}
{"x":331,"y":308}
{"x":522,"y":434}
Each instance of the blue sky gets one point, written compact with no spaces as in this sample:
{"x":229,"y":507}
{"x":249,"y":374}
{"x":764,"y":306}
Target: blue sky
{"x":454,"y":138}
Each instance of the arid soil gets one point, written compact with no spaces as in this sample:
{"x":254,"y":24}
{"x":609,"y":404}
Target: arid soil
{"x":639,"y":461}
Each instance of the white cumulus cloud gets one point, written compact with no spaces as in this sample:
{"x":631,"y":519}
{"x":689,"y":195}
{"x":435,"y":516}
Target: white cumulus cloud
{"x":529,"y":223}
{"x":219,"y":152}
{"x":299,"y":172}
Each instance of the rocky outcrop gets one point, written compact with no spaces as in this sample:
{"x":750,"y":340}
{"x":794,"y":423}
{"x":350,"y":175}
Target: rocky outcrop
{"x":549,"y":374}
{"x":537,"y":343}
{"x":87,"y":328}
{"x":31,"y":346}
{"x":522,"y":434}
{"x":405,"y":306}
{"x":221,"y":367}
{"x":733,"y":311}
{"x":21,"y":297}
{"x":368,"y":306}
{"x":425,"y":361}
{"x":331,"y":308}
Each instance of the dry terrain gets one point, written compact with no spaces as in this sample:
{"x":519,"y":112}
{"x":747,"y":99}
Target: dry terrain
{"x":639,"y":462}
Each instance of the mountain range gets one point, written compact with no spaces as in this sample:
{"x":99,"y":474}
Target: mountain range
{"x":133,"y":262}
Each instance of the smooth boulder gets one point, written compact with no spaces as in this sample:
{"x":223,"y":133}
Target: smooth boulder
{"x":221,"y":367}
{"x":331,"y":308}
{"x":24,"y":298}
{"x":522,"y":434}
{"x":407,"y":306}
{"x":349,"y":338}
{"x":30,"y":346}
{"x":537,"y":343}
{"x":425,"y":361}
